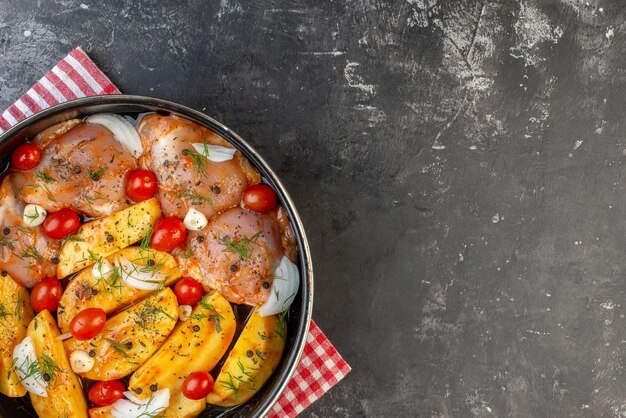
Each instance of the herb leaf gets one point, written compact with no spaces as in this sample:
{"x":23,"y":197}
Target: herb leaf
{"x":96,"y":175}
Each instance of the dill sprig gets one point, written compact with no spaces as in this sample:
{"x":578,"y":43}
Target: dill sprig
{"x":18,"y":305}
{"x":3,"y":312}
{"x":96,"y":175}
{"x":45,"y":368}
{"x":243,"y":246}
{"x":200,"y":159}
{"x":45,"y":177}
{"x":187,"y":254}
{"x":33,"y":253}
{"x":195,"y":197}
{"x":209,"y":313}
{"x":281,"y":331}
{"x":117,"y":347}
{"x":146,"y":413}
{"x":145,"y":242}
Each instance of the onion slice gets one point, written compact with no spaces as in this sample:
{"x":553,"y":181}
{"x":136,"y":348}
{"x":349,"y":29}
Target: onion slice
{"x":284,"y":288}
{"x":123,"y":131}
{"x":25,"y":359}
{"x":140,"y":277}
{"x":134,"y":407}
{"x":215,"y":153}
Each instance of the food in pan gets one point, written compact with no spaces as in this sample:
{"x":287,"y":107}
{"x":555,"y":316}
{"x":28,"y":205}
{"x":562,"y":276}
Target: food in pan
{"x":146,"y":270}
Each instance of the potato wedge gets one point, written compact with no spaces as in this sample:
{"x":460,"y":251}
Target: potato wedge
{"x":251,"y":361}
{"x":104,"y":236}
{"x":197,"y":344}
{"x":130,"y":337}
{"x":65,"y":394}
{"x":15,"y":315}
{"x":100,"y":412}
{"x":111,"y":293}
{"x":180,"y":407}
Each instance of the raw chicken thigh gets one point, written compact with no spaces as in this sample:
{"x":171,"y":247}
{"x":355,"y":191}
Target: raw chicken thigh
{"x":83,"y":167}
{"x":236,"y":254}
{"x":25,"y":253}
{"x":187,"y":179}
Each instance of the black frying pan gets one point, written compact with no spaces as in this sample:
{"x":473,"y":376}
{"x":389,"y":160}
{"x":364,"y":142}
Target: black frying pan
{"x":299,"y":316}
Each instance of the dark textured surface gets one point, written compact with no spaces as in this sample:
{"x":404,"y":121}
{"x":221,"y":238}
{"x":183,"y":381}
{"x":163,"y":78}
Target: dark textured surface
{"x":458,"y":166}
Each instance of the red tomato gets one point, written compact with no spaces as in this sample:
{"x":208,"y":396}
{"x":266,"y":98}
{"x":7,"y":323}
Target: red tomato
{"x":61,"y":224}
{"x":260,"y":198}
{"x":168,"y":234}
{"x":197,"y":385}
{"x":188,"y":291}
{"x":88,"y":323}
{"x":46,"y":295}
{"x":26,"y":156}
{"x":105,"y":393}
{"x":141,"y":185}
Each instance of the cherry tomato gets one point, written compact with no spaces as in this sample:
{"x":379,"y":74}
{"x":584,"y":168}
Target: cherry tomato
{"x":260,"y":198}
{"x":188,"y":291}
{"x":197,"y":385}
{"x":88,"y":323}
{"x":141,"y":185}
{"x":168,"y":234}
{"x":105,"y":393}
{"x":46,"y":295}
{"x":26,"y":156}
{"x":61,"y":224}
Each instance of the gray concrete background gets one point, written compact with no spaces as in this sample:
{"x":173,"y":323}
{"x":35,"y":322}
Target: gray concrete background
{"x":458,"y":166}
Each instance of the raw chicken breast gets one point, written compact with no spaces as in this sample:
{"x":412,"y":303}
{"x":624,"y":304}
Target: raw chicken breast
{"x":83,"y":167}
{"x":236,"y":254}
{"x":188,"y":179}
{"x":25,"y":253}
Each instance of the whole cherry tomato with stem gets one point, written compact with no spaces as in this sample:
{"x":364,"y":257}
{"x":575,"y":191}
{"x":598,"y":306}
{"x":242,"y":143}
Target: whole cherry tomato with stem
{"x":88,"y":323}
{"x":46,"y":295}
{"x":141,"y":185}
{"x":26,"y":156}
{"x":107,"y":392}
{"x":61,"y":224}
{"x":197,"y":385}
{"x":168,"y":233}
{"x":260,"y":198}
{"x":188,"y":291}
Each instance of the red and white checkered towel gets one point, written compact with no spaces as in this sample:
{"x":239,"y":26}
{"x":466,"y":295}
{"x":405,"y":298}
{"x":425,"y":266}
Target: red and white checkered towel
{"x":77,"y":76}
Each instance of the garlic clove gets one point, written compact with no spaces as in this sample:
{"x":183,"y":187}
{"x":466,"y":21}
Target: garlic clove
{"x":34,"y":215}
{"x":195,"y":220}
{"x":80,"y":361}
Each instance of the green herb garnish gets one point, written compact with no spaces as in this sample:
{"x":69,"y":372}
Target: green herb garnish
{"x":43,"y":176}
{"x":243,"y":246}
{"x":96,"y":175}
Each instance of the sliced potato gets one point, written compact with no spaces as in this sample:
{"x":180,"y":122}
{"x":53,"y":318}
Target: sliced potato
{"x":130,"y":337}
{"x":100,"y":412}
{"x":65,"y":394}
{"x":251,"y":361}
{"x":104,"y":236}
{"x":197,"y":344}
{"x":110,"y":293}
{"x":182,"y":407}
{"x":15,"y":315}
